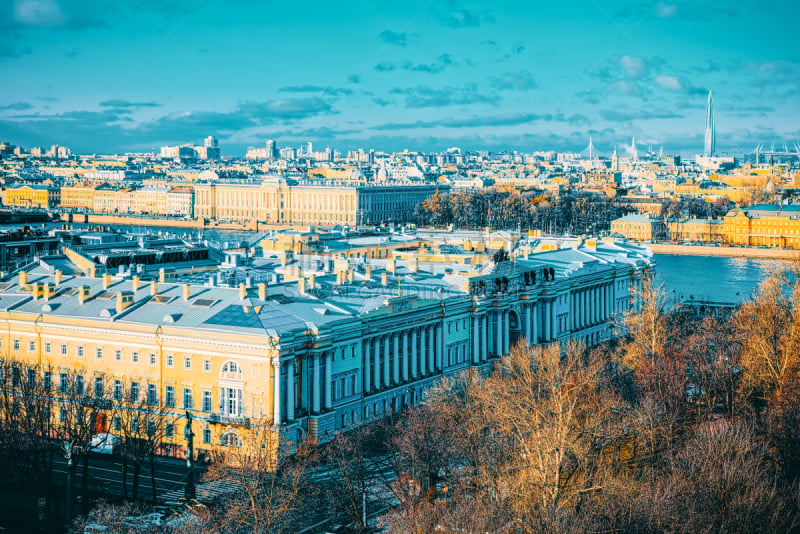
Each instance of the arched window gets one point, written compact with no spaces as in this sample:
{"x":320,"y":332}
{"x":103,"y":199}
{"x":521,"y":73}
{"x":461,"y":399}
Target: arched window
{"x":230,"y":439}
{"x":231,"y":371}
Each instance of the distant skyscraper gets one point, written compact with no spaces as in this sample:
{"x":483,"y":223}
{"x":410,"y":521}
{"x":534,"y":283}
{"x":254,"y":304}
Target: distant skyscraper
{"x":211,"y":142}
{"x":708,"y":150}
{"x":272,"y":151}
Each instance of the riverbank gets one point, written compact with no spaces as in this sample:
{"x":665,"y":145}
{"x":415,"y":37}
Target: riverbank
{"x":730,"y":252}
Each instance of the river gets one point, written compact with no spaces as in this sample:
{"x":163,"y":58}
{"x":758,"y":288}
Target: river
{"x":711,"y":278}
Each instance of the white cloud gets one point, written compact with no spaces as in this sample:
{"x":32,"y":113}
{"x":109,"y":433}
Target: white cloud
{"x":669,"y":83}
{"x":38,"y":13}
{"x":665,"y":11}
{"x":632,"y":65}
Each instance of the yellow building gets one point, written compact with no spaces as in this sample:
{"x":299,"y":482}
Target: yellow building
{"x":639,"y":228}
{"x":696,"y":230}
{"x":278,"y":201}
{"x":770,"y":225}
{"x":33,"y":196}
{"x":78,"y":196}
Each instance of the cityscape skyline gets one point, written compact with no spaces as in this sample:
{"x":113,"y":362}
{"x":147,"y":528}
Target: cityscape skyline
{"x":103,"y":78}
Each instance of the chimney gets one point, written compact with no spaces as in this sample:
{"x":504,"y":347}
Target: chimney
{"x":312,"y":281}
{"x":23,"y":278}
{"x":242,"y":291}
{"x":49,"y":290}
{"x":262,"y":291}
{"x":124,"y":300}
{"x":83,"y":294}
{"x":187,"y":291}
{"x":59,"y":277}
{"x":154,"y":288}
{"x":341,"y":277}
{"x":162,"y":277}
{"x":384,"y":279}
{"x":350,"y":275}
{"x":92,"y":272}
{"x":36,"y":290}
{"x":301,"y":285}
{"x":135,"y":283}
{"x":413,"y":265}
{"x":391,"y":266}
{"x":106,"y":281}
{"x":368,"y":271}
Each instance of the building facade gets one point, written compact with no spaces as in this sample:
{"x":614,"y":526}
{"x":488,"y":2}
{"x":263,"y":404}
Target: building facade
{"x":335,"y":348}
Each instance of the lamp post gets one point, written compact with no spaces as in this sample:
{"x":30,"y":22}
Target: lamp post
{"x":189,"y":491}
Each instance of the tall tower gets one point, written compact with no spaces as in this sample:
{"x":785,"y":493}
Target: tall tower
{"x":708,"y":150}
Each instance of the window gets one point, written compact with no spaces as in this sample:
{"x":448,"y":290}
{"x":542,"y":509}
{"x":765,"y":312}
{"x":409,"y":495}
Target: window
{"x":135,"y":425}
{"x":118,"y":390}
{"x":152,"y":358}
{"x":135,"y":357}
{"x":99,"y":386}
{"x":187,"y":362}
{"x":63,"y":383}
{"x":152,"y":394}
{"x":134,"y":391}
{"x":230,"y":439}
{"x":80,"y":387}
{"x":99,"y":352}
{"x":117,"y":423}
{"x":333,"y":389}
{"x":169,"y":430}
{"x":31,"y":378}
{"x":188,"y":401}
{"x":31,"y":346}
{"x":16,"y":344}
{"x":232,"y":402}
{"x":62,"y":415}
{"x":118,"y":355}
{"x":47,"y":381}
{"x":80,"y":351}
{"x":151,"y":428}
{"x":47,"y":347}
{"x":207,"y":366}
{"x":169,"y":360}
{"x":207,"y":401}
{"x":63,"y":349}
{"x":353,"y":385}
{"x":169,"y":396}
{"x":206,"y":435}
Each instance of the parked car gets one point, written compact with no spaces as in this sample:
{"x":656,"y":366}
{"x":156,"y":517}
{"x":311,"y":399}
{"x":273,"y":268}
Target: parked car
{"x":105,"y":443}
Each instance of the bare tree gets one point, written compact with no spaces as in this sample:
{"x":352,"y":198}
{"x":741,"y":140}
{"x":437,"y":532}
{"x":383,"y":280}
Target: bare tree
{"x":271,"y":489}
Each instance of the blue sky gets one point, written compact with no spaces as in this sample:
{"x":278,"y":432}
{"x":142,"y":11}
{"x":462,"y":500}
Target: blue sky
{"x":132,"y":75}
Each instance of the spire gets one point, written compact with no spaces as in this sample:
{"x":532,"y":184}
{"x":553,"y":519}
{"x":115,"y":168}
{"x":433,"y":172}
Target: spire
{"x":710,"y":139}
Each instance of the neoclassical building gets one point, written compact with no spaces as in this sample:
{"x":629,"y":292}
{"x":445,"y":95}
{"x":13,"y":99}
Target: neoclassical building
{"x":343,"y":343}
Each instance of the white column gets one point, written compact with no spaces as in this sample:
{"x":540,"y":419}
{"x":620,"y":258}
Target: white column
{"x":396,"y":361}
{"x":406,"y":356}
{"x":414,"y":353}
{"x":291,"y":391}
{"x":422,"y":358}
{"x":506,"y":332}
{"x":377,"y":365}
{"x":386,"y":369}
{"x":535,"y":323}
{"x":431,"y":349}
{"x":439,"y":347}
{"x":498,"y":342}
{"x":476,"y":339}
{"x":328,"y":370}
{"x":526,"y":321}
{"x":315,"y":384}
{"x":484,"y":337}
{"x":366,"y":370}
{"x":276,"y":391}
{"x":547,"y":332}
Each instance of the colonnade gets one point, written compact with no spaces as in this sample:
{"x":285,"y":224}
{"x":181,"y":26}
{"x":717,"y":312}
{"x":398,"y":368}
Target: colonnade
{"x":591,"y":306}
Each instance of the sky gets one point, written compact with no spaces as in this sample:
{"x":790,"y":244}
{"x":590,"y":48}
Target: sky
{"x":115,"y":76}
